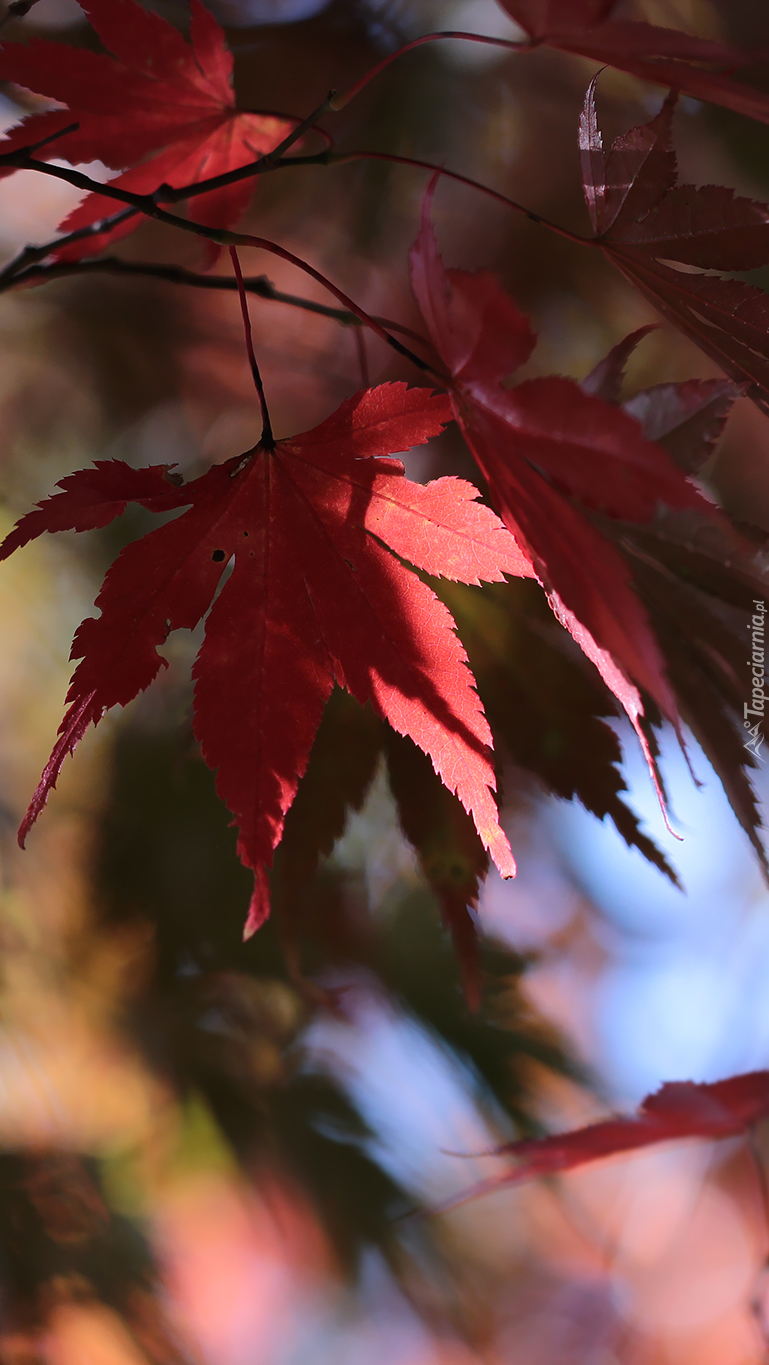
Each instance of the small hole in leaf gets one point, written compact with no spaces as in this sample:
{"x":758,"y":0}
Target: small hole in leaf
{"x":218,"y":556}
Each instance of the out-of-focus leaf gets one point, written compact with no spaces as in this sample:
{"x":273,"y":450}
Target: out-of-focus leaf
{"x":58,"y":1238}
{"x":544,"y":705}
{"x":503,"y":1043}
{"x":705,"y":644}
{"x":222,"y":1019}
{"x":680,"y":1109}
{"x":450,"y":853}
{"x":342,"y":763}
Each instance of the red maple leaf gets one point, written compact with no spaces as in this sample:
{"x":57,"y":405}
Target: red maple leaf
{"x":686,"y":418}
{"x":680,"y":1109}
{"x":314,"y":598}
{"x":159,"y":101}
{"x":644,"y":221}
{"x":661,"y":55}
{"x":553,"y":455}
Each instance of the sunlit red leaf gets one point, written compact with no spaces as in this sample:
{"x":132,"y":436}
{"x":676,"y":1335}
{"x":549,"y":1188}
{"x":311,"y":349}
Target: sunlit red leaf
{"x":313,"y":598}
{"x":158,"y":100}
{"x":552,"y":454}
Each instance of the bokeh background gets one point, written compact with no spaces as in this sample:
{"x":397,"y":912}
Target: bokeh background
{"x":198,"y":1163}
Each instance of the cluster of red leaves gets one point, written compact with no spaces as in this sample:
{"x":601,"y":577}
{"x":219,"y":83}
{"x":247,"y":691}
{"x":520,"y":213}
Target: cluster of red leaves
{"x":160,"y":105}
{"x":597,"y":497}
{"x":556,"y":456}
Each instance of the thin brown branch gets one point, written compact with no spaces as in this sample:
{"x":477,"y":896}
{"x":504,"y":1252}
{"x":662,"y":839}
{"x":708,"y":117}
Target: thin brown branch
{"x":259,"y":285}
{"x":148,"y":205}
{"x":360,"y":346}
{"x":270,"y":161}
{"x":9,"y":158}
{"x":340,"y":101}
{"x":26,"y":262}
{"x":337,"y":158}
{"x":299,"y":131}
{"x":170,"y":194}
{"x":267,"y":438}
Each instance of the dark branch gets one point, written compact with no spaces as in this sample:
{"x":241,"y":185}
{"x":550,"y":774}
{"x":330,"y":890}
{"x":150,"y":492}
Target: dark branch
{"x":169,"y":194}
{"x":9,"y":158}
{"x":20,"y":265}
{"x":339,"y":101}
{"x":338,"y":158}
{"x":148,"y":205}
{"x":259,"y":285}
{"x":21,"y":269}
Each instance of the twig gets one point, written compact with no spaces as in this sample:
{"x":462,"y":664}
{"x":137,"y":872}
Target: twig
{"x":270,"y":161}
{"x":44,"y":141}
{"x":151,"y":206}
{"x":339,"y":101}
{"x":148,"y":205}
{"x":52,"y":137}
{"x":360,"y":346}
{"x":170,"y":194}
{"x":31,"y":254}
{"x":301,"y":128}
{"x":337,"y":158}
{"x":176,"y":274}
{"x":267,"y":439}
{"x":24,"y":264}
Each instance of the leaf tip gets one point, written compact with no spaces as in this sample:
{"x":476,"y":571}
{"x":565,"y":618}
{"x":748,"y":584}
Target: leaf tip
{"x":259,"y":906}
